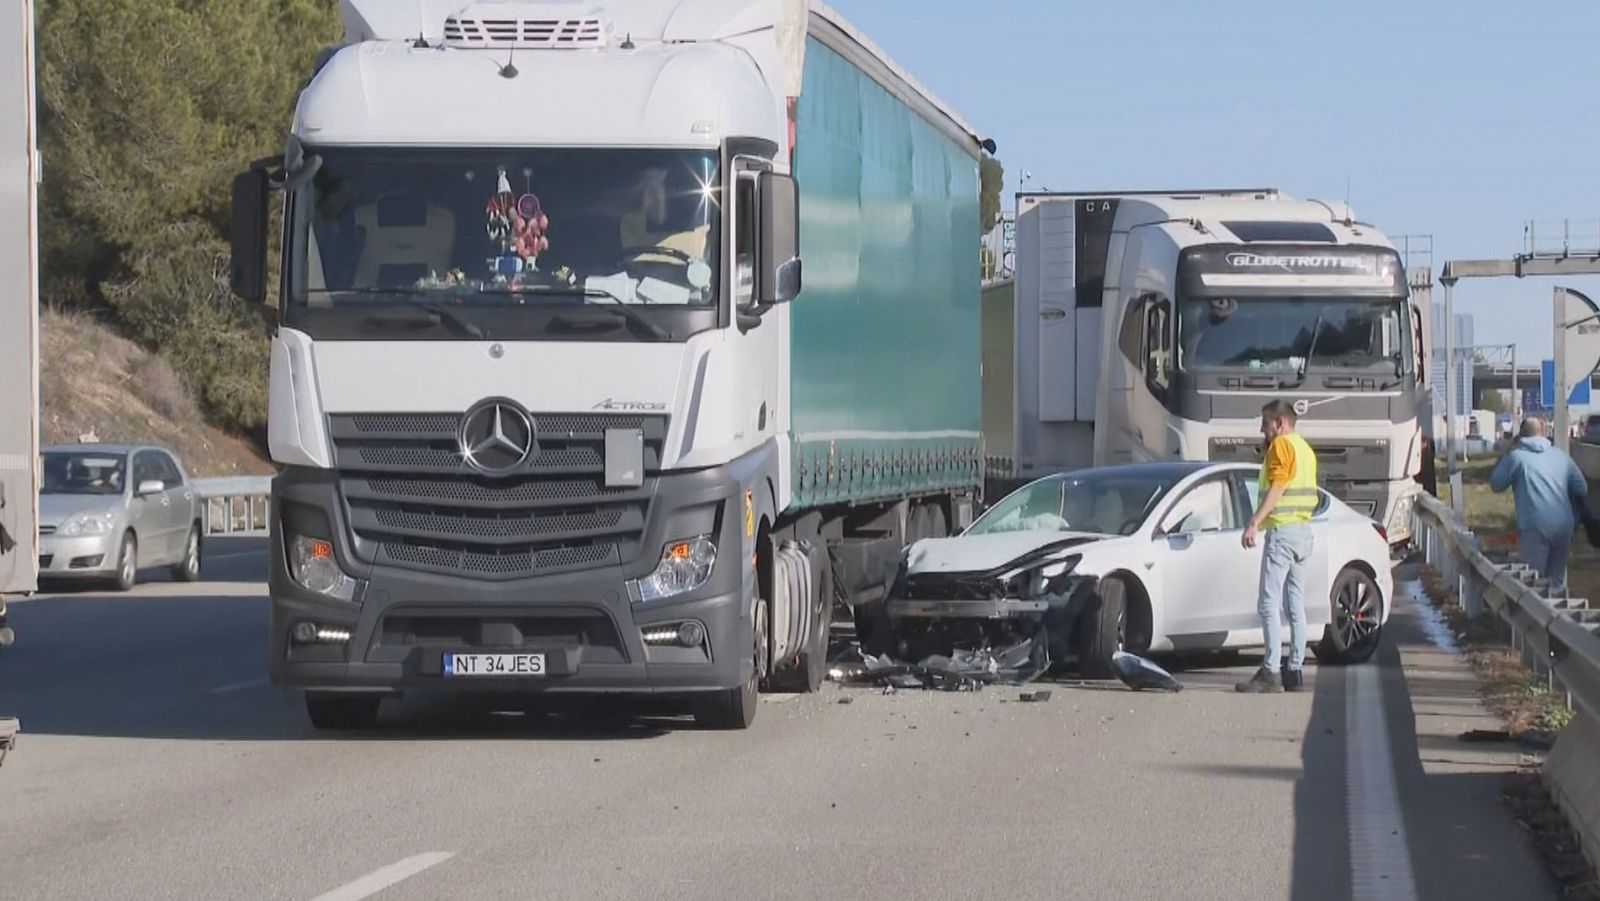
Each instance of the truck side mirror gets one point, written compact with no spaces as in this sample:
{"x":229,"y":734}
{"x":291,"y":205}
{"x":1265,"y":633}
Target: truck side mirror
{"x":778,"y":237}
{"x":247,"y":266}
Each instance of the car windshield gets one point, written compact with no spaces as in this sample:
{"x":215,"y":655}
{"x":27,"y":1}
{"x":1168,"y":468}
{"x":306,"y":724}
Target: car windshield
{"x":1277,"y":334}
{"x":76,"y":472}
{"x":588,"y":244}
{"x":1107,"y":503}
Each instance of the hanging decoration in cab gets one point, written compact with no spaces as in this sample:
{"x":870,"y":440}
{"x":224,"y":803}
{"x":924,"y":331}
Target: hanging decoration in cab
{"x":517,"y":226}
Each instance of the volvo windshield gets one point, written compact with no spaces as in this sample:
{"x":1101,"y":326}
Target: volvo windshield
{"x":578,"y":244}
{"x":1290,"y":334}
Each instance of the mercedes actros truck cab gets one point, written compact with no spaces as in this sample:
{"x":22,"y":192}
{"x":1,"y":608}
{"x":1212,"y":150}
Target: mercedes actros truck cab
{"x":552,"y":411}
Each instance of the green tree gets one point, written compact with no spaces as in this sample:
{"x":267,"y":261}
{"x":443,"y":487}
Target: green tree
{"x":147,"y":109}
{"x":991,"y":177}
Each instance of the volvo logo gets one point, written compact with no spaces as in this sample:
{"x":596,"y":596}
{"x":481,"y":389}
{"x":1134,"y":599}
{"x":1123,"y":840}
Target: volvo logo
{"x":1301,"y":407}
{"x":496,"y":437}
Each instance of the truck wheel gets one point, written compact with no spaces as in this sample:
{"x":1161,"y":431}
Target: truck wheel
{"x":188,"y":569}
{"x":810,"y":668}
{"x":1353,"y":633}
{"x":736,"y":707}
{"x":342,"y":713}
{"x":127,"y":574}
{"x":1103,"y":629}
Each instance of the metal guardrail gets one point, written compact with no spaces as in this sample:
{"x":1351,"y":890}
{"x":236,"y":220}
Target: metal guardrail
{"x":1559,"y":637}
{"x":235,"y":506}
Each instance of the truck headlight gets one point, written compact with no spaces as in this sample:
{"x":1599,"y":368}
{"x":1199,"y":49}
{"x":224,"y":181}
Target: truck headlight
{"x":685,"y":566}
{"x":83,"y":524}
{"x":313,"y":566}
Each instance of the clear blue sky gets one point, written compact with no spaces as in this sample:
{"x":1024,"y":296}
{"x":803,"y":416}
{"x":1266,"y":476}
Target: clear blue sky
{"x":1459,"y":118}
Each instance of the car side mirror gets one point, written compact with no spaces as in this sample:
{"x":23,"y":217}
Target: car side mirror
{"x":778,"y":237}
{"x":1180,"y":541}
{"x":247,"y":263}
{"x":151,"y":486}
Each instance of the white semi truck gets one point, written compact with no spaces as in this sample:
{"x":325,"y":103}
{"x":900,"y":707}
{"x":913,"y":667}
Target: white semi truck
{"x":19,"y":312}
{"x":552,"y":410}
{"x":1155,"y":325}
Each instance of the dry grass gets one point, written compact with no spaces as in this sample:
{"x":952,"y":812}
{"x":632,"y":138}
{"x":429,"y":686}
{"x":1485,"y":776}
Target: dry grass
{"x":95,"y":383}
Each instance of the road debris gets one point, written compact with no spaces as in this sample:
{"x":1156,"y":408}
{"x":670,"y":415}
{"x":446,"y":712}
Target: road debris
{"x":1034,"y":697}
{"x":1139,"y":674}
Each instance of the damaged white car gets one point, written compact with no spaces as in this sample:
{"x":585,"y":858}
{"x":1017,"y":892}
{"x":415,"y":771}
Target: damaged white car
{"x":1146,"y":558}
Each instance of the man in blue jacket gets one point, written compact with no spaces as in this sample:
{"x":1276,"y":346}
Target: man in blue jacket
{"x":1547,"y":486}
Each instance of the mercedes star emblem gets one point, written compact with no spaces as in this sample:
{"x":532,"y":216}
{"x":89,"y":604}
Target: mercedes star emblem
{"x":496,"y":437}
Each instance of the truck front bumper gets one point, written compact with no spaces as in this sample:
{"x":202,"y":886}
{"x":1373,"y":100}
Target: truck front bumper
{"x":393,"y":637}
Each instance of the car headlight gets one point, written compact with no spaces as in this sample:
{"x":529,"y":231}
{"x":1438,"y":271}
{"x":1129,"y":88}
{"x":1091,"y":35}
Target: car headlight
{"x":685,"y":566}
{"x":82,"y":524}
{"x":313,"y":566}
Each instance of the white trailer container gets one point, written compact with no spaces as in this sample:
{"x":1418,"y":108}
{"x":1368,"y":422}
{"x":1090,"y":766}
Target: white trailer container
{"x":19,"y":309}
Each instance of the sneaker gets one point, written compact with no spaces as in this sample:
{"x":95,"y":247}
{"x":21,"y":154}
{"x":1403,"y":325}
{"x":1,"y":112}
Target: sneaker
{"x":1294,"y":680}
{"x":1263,"y":682}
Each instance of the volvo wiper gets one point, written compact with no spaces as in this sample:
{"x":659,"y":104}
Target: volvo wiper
{"x":1305,"y":364}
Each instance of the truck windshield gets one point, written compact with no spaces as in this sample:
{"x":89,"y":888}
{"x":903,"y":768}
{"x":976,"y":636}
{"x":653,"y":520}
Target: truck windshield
{"x":577,"y":244}
{"x":1279,"y":334}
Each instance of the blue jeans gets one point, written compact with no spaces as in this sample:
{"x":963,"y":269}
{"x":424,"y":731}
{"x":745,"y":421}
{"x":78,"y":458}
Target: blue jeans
{"x":1547,"y":556}
{"x":1285,"y":556}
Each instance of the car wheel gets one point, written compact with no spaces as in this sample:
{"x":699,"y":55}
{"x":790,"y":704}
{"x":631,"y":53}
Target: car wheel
{"x":1354,"y":630}
{"x":736,"y":707}
{"x":127,"y":564}
{"x":342,"y":713}
{"x":188,"y":569}
{"x":1103,"y":629}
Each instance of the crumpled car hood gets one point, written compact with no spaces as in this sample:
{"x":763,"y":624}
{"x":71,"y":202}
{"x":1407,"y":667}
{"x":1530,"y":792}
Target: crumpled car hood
{"x":982,"y":553}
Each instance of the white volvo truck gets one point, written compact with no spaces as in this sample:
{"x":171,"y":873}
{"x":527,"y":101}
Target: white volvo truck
{"x":1154,"y":326}
{"x":552,"y":410}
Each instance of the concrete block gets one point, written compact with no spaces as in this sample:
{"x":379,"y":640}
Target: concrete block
{"x":1572,"y":771}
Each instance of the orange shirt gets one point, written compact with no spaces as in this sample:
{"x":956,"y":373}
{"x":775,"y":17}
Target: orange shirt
{"x":1280,"y":462}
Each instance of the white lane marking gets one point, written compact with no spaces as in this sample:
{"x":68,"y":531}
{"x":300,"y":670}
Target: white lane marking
{"x":232,"y":687}
{"x":1380,"y":861}
{"x":378,"y":880}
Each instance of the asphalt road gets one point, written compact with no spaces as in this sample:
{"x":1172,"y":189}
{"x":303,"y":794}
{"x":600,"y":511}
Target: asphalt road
{"x":157,"y":762}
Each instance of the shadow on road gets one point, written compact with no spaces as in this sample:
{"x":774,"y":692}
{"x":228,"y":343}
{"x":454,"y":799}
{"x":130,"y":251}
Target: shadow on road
{"x":150,"y":664}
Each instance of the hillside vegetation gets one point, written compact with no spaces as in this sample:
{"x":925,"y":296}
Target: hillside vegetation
{"x":95,"y":385}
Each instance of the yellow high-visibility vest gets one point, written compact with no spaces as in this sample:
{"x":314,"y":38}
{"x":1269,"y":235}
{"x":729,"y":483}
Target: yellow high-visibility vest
{"x":1299,"y":500}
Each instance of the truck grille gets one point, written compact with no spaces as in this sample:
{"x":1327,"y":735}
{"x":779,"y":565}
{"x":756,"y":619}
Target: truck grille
{"x":1337,"y":461}
{"x":408,"y":492}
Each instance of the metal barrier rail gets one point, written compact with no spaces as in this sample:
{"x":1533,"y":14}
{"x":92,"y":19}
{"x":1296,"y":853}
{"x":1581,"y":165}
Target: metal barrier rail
{"x":235,"y":506}
{"x":1559,"y":637}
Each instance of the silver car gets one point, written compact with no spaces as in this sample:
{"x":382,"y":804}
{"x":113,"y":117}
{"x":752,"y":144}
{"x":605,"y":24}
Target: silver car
{"x":108,"y":511}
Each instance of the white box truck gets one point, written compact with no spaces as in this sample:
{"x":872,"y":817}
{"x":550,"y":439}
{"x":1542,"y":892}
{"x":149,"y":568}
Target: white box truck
{"x":1155,"y":326}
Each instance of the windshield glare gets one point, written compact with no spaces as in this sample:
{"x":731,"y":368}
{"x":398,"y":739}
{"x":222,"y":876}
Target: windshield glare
{"x":1274,"y":334}
{"x":1102,"y":503}
{"x":503,"y":240}
{"x":81,"y":473}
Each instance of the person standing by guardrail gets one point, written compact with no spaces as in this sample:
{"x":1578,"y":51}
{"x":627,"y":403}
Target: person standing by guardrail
{"x":1546,"y":485}
{"x":1288,"y":500}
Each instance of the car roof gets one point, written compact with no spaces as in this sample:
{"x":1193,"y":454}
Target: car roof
{"x":1166,"y":469}
{"x":97,"y":448}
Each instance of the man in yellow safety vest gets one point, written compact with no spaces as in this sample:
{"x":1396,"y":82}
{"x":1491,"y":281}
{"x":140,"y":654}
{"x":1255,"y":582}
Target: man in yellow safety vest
{"x":1288,"y":498}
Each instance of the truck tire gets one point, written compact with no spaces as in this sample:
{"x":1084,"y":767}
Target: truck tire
{"x":342,"y":713}
{"x":1353,"y":632}
{"x":735,"y":708}
{"x":810,"y":668}
{"x":1103,"y":629}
